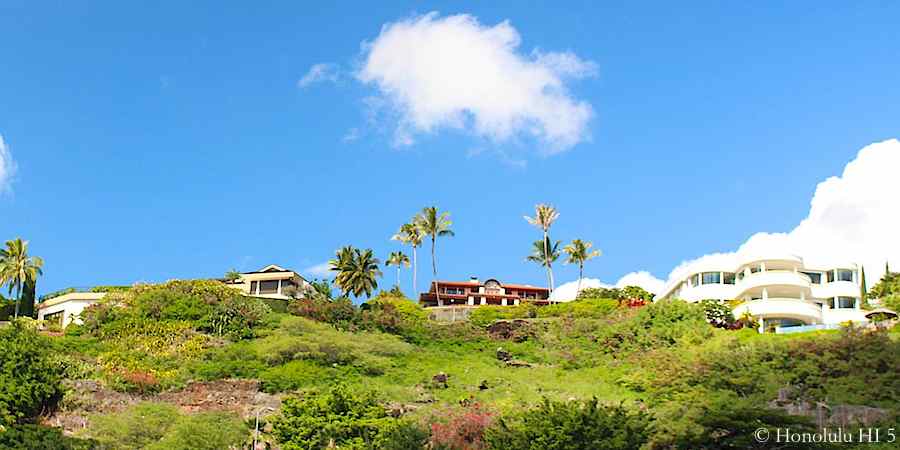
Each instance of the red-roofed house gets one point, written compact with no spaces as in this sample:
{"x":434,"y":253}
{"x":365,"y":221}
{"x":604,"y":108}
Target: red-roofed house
{"x":475,"y":293}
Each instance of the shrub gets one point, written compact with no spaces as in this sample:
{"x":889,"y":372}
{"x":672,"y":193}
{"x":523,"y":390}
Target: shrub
{"x":718,"y":314}
{"x":570,"y":426}
{"x":39,"y":437}
{"x":462,"y":429}
{"x":297,"y":375}
{"x":393,"y":313}
{"x":232,"y":361}
{"x":660,"y":324}
{"x":583,"y":308}
{"x":204,"y":431}
{"x":30,"y":377}
{"x":339,"y":417}
{"x":720,"y":420}
{"x":135,"y":428}
{"x":488,"y":314}
{"x":339,"y":313}
{"x":160,"y":426}
{"x":141,"y":355}
{"x":207,"y":305}
{"x":235,"y":316}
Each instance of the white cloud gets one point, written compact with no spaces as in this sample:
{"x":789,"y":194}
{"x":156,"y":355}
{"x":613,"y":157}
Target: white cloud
{"x":319,"y":73}
{"x":7,"y":167}
{"x":322,"y":270}
{"x":853,"y":218}
{"x":568,"y":291}
{"x":643,"y":279}
{"x":453,"y":72}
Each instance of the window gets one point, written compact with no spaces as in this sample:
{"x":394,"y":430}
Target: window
{"x":253,"y":286}
{"x":453,"y":291}
{"x":56,"y":318}
{"x":268,"y":287}
{"x":814,"y":277}
{"x":754,"y":269}
{"x":844,"y":275}
{"x":695,"y":280}
{"x":844,"y":303}
{"x":729,"y":277}
{"x":712,"y":277}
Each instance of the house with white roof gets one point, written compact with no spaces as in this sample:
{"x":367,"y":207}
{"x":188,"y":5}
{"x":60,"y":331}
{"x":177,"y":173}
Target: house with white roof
{"x":777,"y":290}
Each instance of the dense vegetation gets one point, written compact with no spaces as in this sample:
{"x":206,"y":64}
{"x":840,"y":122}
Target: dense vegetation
{"x":615,"y":373}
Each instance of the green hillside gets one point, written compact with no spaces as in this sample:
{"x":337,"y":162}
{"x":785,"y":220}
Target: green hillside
{"x":158,"y":366}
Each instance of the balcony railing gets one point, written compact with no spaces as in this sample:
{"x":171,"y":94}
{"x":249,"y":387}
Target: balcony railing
{"x":781,"y":307}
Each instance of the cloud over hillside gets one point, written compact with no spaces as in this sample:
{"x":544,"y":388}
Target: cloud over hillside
{"x":853,"y":218}
{"x":453,"y":72}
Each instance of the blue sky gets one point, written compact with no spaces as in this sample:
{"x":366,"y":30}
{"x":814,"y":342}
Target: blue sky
{"x":168,"y":140}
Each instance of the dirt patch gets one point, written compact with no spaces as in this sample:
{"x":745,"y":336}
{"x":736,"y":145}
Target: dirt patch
{"x":241,"y":397}
{"x":511,"y":330}
{"x":86,"y":397}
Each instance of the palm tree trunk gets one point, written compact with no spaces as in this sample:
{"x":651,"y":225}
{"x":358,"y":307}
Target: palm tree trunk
{"x":437,"y":290}
{"x":18,"y":298}
{"x":415,"y":269}
{"x":398,"y":276}
{"x":547,"y":260}
{"x":580,"y":276}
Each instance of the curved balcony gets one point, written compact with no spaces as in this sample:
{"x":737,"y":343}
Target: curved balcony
{"x":774,"y":278}
{"x":835,"y":289}
{"x":788,"y":308}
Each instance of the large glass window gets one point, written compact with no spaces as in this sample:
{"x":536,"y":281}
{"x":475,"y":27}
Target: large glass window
{"x":814,"y":277}
{"x":729,"y":278}
{"x":846,"y":302}
{"x":830,"y":276}
{"x":695,"y":280}
{"x":268,"y":287}
{"x":844,"y":275}
{"x":712,"y":277}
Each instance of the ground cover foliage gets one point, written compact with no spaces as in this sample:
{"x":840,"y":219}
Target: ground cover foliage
{"x":594,"y":373}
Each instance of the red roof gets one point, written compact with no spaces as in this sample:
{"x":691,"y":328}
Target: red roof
{"x":480,"y":283}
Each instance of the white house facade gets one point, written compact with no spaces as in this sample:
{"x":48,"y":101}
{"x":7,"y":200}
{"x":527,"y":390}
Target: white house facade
{"x":65,"y":309}
{"x":778,"y":291}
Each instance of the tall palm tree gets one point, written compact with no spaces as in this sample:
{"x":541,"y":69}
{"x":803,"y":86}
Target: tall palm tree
{"x":544,"y":216}
{"x":397,"y":259}
{"x":578,"y":252}
{"x":357,"y":271}
{"x":17,"y":268}
{"x":409,"y":234}
{"x":544,"y":252}
{"x":435,"y":224}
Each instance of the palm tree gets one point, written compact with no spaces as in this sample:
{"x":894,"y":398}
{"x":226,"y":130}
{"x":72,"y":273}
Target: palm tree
{"x":397,"y":259}
{"x":357,"y":270}
{"x":17,"y":268}
{"x":544,"y":216}
{"x":538,"y":254}
{"x":232,"y":275}
{"x":409,"y":234}
{"x":577,"y":253}
{"x":432,"y":223}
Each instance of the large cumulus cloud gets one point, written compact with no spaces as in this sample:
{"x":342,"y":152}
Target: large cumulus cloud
{"x":453,"y":72}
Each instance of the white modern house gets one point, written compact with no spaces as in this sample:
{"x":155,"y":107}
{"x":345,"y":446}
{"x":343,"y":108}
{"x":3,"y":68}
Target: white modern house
{"x":777,"y":290}
{"x":66,"y":308}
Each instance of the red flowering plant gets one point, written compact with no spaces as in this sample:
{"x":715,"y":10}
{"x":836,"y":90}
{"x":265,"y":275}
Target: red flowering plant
{"x":462,"y":428}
